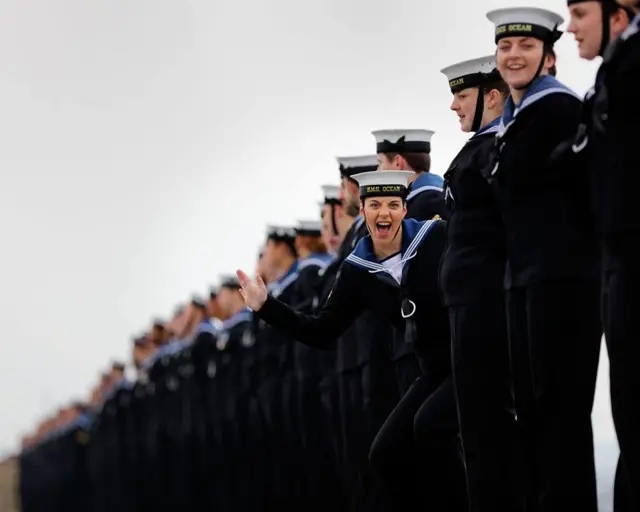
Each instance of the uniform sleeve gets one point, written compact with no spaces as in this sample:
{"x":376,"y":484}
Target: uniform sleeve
{"x":428,"y":205}
{"x":343,"y":305}
{"x":624,"y":111}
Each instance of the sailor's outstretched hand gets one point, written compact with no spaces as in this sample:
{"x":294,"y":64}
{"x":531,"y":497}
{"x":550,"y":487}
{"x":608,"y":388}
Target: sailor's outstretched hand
{"x":253,"y":291}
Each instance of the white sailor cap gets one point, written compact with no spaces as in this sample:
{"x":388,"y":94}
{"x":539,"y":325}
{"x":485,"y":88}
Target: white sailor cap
{"x":309,"y":228}
{"x":526,"y":21}
{"x":280,"y":232}
{"x":470,"y":73}
{"x":229,"y":281}
{"x":331,"y":193}
{"x":403,"y":141}
{"x":384,"y":183}
{"x":350,"y":165}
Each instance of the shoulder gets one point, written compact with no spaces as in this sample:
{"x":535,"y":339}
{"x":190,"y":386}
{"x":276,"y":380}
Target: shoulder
{"x":557,"y":104}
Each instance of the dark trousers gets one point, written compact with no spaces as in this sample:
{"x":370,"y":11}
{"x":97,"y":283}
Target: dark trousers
{"x":554,"y":337}
{"x":317,"y":456}
{"x":270,"y":402}
{"x":416,"y":453}
{"x":354,"y":446}
{"x":480,"y":360}
{"x":407,"y":371}
{"x":379,"y":397}
{"x":330,"y":399}
{"x":620,"y":294}
{"x":622,"y":489}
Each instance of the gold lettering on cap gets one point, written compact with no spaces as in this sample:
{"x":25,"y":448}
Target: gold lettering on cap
{"x":377,"y":189}
{"x":456,"y":82}
{"x":514,"y":27}
{"x":520,"y":27}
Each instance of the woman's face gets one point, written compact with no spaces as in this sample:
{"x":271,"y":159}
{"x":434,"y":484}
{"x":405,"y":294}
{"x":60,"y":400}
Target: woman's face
{"x":383,"y":216}
{"x":586,"y":26}
{"x":330,"y":239}
{"x":518,"y":59}
{"x":464,"y":105}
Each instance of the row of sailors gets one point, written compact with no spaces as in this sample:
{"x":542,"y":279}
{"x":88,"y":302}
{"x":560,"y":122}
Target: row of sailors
{"x":538,"y":202}
{"x":542,"y":208}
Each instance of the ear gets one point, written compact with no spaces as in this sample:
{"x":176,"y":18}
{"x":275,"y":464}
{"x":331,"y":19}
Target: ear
{"x":619,"y":21}
{"x":362,"y":208}
{"x":400,"y":163}
{"x":549,"y":61}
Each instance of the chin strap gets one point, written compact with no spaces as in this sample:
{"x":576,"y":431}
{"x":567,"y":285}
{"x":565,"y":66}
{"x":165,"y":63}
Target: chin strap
{"x":548,"y":45}
{"x":477,"y":116}
{"x":607,"y":10}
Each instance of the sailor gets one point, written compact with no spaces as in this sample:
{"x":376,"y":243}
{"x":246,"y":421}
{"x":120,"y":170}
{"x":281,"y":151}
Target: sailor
{"x":277,"y":380}
{"x":471,"y":277}
{"x":606,"y":144}
{"x":313,"y":259}
{"x":410,"y":150}
{"x":551,"y":278}
{"x":335,"y":225}
{"x":368,"y":373}
{"x":393,"y":272}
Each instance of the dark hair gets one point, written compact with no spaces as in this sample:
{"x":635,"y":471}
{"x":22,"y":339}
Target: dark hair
{"x":417,"y":161}
{"x":496,"y":82}
{"x":289,"y":243}
{"x":549,"y":51}
{"x":403,"y":199}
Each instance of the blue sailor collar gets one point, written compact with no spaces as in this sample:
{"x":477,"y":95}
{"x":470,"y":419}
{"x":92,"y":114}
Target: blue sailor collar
{"x":542,"y":86}
{"x":167,"y":349}
{"x":120,"y":384}
{"x":425,"y":181}
{"x":317,"y":259}
{"x":244,"y":315}
{"x":632,"y":29}
{"x":358,"y":222}
{"x":492,"y":127}
{"x":277,"y":287}
{"x":208,"y":326}
{"x":413,"y":234}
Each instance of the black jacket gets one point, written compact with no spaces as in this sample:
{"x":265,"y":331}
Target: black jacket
{"x":426,"y":198}
{"x":473,"y":263}
{"x":361,"y":285}
{"x":544,"y":205}
{"x":611,"y":112}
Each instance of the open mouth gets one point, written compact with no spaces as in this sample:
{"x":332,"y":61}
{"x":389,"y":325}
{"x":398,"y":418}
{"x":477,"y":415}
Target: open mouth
{"x":383,"y":228}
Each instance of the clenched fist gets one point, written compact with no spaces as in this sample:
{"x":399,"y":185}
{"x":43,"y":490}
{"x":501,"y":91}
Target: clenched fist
{"x":253,"y":291}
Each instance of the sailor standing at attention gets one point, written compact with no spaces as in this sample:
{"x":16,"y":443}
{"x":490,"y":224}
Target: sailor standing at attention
{"x":551,"y":278}
{"x":410,"y":150}
{"x":394,"y":272}
{"x":471,"y":278}
{"x":607,"y":145}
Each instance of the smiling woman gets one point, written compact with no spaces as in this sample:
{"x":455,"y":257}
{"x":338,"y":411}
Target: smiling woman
{"x":394,"y":273}
{"x":553,"y":305}
{"x":383,"y":208}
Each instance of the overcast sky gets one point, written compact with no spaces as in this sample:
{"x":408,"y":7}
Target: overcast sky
{"x":146,"y":143}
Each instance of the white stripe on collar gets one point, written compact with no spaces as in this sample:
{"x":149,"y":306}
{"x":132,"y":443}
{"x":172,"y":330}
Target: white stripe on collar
{"x":419,"y":190}
{"x":631,"y":29}
{"x":491,"y":129}
{"x":281,"y":286}
{"x":502,"y":129}
{"x":317,"y":262}
{"x":408,"y":254}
